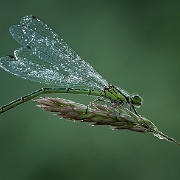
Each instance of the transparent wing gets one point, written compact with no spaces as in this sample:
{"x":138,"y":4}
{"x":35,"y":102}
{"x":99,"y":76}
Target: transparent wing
{"x":28,"y":66}
{"x":47,"y":58}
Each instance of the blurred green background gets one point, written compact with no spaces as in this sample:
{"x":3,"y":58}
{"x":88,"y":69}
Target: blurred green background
{"x":134,"y":45}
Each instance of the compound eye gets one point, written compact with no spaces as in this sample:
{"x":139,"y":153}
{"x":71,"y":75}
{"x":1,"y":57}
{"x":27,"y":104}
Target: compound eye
{"x":136,"y":100}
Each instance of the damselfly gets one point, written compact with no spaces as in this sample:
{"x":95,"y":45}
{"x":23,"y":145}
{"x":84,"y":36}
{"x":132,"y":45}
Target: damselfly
{"x":46,"y":58}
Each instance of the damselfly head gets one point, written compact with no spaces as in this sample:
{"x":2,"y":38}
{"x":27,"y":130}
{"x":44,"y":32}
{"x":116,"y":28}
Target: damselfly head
{"x":136,"y":100}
